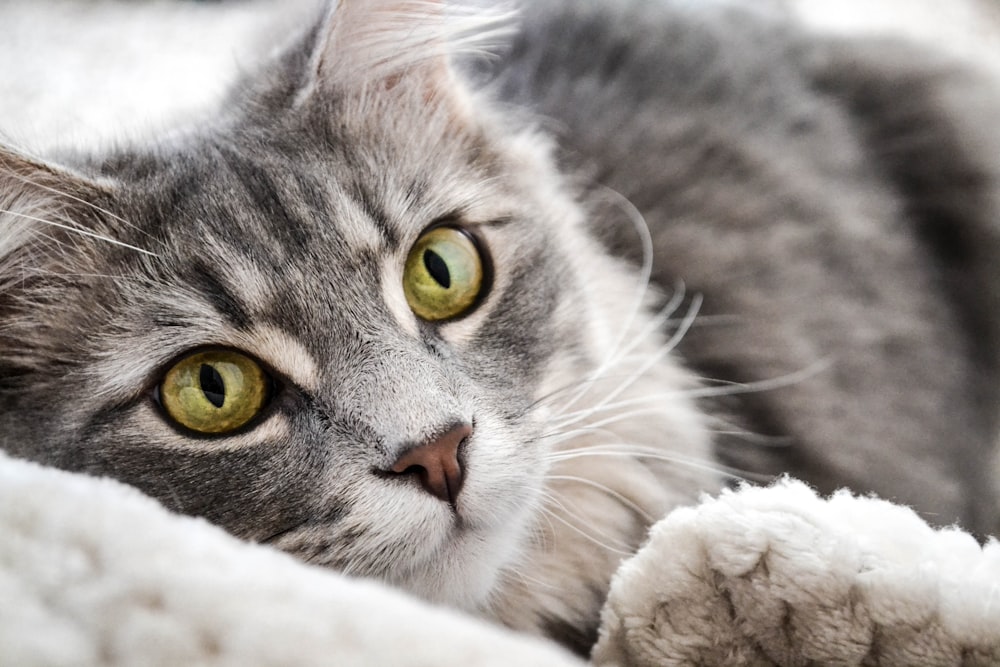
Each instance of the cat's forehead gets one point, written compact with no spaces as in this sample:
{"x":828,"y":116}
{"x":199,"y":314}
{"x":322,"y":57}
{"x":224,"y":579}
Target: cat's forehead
{"x":313,"y":183}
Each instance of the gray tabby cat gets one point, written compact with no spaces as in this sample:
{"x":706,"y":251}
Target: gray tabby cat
{"x":388,"y":310}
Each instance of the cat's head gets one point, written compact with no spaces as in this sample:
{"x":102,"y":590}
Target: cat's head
{"x":329,"y":320}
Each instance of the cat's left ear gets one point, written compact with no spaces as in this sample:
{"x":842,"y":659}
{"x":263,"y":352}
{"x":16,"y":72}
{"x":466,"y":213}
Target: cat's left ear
{"x":367,"y":46}
{"x":42,"y":200}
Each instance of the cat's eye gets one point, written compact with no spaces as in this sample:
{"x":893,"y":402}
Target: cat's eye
{"x":444,"y":276}
{"x":214,"y":391}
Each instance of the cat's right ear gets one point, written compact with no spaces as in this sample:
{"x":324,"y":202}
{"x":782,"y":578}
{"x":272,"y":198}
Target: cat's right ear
{"x":398,"y":45}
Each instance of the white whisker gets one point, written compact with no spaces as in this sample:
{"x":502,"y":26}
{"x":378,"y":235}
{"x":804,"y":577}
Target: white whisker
{"x":751,"y":437}
{"x":617,"y":356}
{"x":638,"y":221}
{"x":645,"y":272}
{"x":79,"y":200}
{"x":770,"y":384}
{"x":725,"y":388}
{"x":580,"y":531}
{"x":528,"y":579}
{"x":77,"y":230}
{"x":624,"y":500}
{"x":626,"y":450}
{"x":653,"y":360}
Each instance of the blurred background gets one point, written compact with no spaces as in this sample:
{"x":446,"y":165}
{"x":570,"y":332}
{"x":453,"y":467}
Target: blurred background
{"x":79,"y":71}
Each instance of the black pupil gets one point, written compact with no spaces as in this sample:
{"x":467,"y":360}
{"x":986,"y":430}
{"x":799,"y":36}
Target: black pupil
{"x":212,"y":385}
{"x":437,"y":268}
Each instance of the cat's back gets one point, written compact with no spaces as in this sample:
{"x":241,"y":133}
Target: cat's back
{"x":835,"y":202}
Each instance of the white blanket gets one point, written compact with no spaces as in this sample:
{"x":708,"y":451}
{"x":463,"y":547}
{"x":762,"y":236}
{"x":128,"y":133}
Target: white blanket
{"x":778,"y":576}
{"x":94,"y":573}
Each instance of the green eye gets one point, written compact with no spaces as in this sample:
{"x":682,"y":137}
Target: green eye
{"x":443,"y":276}
{"x":215,"y":392}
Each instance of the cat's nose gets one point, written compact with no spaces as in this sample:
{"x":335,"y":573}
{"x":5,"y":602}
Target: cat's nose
{"x":436,"y":463}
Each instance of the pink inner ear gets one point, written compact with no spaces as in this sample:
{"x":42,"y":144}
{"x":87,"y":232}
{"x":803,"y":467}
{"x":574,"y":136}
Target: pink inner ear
{"x":365,"y":41}
{"x":397,"y":52}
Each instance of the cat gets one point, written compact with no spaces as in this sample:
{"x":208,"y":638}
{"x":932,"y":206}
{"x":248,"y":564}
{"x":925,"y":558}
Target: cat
{"x":465,"y":304}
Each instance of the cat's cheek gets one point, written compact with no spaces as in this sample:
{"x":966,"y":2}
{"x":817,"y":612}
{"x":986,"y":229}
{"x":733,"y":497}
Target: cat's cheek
{"x":504,"y":471}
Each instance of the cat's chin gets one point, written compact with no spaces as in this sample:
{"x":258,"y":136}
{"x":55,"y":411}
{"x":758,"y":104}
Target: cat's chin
{"x":462,"y":569}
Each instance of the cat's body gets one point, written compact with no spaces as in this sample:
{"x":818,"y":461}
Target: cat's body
{"x":852,"y":220}
{"x":831,"y":214}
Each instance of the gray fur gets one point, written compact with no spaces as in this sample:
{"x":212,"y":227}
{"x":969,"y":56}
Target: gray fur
{"x":836,"y":203}
{"x":831,"y":208}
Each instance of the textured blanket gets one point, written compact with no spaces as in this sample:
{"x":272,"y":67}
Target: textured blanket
{"x":94,"y":573}
{"x":778,"y":576}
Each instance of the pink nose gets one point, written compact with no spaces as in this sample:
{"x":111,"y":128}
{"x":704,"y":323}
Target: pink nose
{"x":435,"y":463}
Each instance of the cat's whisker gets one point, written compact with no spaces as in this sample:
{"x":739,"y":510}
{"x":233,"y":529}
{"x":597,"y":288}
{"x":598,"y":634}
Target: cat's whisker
{"x":708,"y":321}
{"x":666,"y":348}
{"x":770,"y":384}
{"x":658,"y":322}
{"x":524,"y":577}
{"x":77,"y":230}
{"x":651,"y":362}
{"x":616,"y":357}
{"x":724,"y":388}
{"x":649,"y":405}
{"x":627,"y":450}
{"x":622,"y":353}
{"x":556,"y":437}
{"x":623,"y":377}
{"x":642,"y":284}
{"x":628,"y":549}
{"x":599,"y":373}
{"x":584,"y":384}
{"x":726,"y":427}
{"x":568,"y":429}
{"x":624,"y":500}
{"x":531,"y":582}
{"x":638,"y":221}
{"x":654,"y":403}
{"x":540,"y":532}
{"x":66,"y":195}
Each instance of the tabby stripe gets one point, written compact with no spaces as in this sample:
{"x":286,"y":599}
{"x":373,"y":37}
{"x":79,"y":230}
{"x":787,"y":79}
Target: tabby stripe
{"x":371,"y":207}
{"x":214,"y":288}
{"x":291,"y":231}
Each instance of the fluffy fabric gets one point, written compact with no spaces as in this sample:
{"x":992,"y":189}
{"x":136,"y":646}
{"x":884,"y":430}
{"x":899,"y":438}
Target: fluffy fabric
{"x":94,"y":573}
{"x":778,"y":576}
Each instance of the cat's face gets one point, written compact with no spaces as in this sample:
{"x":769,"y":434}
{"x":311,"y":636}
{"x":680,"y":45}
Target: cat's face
{"x":290,"y":244}
{"x":332,"y":321}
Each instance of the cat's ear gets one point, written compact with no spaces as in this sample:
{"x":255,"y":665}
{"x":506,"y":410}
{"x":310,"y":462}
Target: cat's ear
{"x":42,"y":201}
{"x":366,"y":45}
